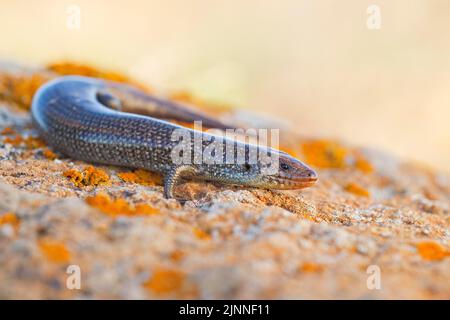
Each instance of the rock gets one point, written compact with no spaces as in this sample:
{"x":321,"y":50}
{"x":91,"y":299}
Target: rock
{"x":226,"y":242}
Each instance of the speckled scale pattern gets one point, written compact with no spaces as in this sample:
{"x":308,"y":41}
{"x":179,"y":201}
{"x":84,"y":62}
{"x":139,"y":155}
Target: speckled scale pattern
{"x":70,"y":117}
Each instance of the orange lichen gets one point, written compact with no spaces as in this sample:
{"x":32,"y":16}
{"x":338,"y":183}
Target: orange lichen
{"x":361,"y":163}
{"x":187,"y":124}
{"x":119,"y":206}
{"x":72,"y":68}
{"x":142,"y":177}
{"x":128,"y":176}
{"x":55,"y":251}
{"x":21,"y":88}
{"x":94,"y":176}
{"x":190,"y":125}
{"x":311,"y":267}
{"x":177,"y":255}
{"x":29,"y":142}
{"x":34,"y":142}
{"x":432,"y":251}
{"x":187,"y":97}
{"x":200,"y":234}
{"x":15,"y":141}
{"x":49,"y":154}
{"x":148,"y":177}
{"x":75,"y":176}
{"x":324,"y":154}
{"x":332,"y":154}
{"x":90,"y":176}
{"x":109,"y":206}
{"x":357,"y":189}
{"x":8,"y":131}
{"x":429,"y":194}
{"x":289,"y":151}
{"x":145,"y":209}
{"x":10,"y":218}
{"x":164,"y":281}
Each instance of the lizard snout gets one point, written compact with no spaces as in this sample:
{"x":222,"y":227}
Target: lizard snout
{"x":295,"y":173}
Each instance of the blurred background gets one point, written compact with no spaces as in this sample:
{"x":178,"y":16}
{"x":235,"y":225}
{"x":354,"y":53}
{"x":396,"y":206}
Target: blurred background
{"x":315,"y":63}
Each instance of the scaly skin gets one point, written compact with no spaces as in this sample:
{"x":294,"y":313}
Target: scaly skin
{"x":84,"y":118}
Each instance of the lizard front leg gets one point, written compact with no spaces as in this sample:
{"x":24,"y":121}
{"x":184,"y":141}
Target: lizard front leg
{"x":174,"y":175}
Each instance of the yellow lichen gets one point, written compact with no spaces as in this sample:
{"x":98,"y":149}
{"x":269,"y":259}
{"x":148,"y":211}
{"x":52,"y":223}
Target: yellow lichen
{"x":141,"y":176}
{"x":119,"y":206}
{"x":164,"y":281}
{"x":432,"y":251}
{"x":55,"y":251}
{"x":357,"y":189}
{"x":90,"y":176}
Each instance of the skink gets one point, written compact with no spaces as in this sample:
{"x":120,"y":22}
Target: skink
{"x":105,"y":122}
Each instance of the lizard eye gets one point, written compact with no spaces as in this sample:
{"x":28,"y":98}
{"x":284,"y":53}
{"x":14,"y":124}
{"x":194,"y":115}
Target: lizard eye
{"x":247,"y":167}
{"x":285,"y":166}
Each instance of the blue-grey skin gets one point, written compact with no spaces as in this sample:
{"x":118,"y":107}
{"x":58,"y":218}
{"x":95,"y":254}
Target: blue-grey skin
{"x":84,"y":118}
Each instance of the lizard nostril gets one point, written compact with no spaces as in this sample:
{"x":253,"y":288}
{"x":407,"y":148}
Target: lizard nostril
{"x":312,"y":175}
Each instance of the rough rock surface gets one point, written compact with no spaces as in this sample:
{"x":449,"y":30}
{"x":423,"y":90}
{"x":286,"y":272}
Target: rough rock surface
{"x":327,"y":241}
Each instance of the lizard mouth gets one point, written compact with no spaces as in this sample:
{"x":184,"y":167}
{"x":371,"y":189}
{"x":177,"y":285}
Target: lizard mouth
{"x":297,"y":183}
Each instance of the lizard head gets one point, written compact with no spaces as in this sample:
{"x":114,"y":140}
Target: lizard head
{"x":287,"y":173}
{"x":281,"y":172}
